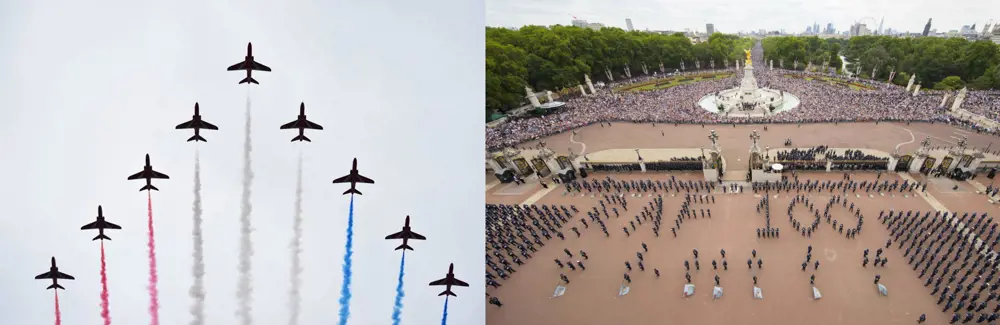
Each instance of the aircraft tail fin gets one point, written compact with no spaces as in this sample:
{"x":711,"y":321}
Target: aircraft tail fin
{"x":301,"y":138}
{"x":55,"y":286}
{"x":148,"y":187}
{"x":352,"y":191}
{"x":197,"y":138}
{"x":447,"y":292}
{"x":249,"y":80}
{"x":101,"y":236}
{"x":404,"y":247}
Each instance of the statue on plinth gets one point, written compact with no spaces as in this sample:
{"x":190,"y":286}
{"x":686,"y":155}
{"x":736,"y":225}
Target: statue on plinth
{"x":748,"y":63}
{"x":959,"y":150}
{"x":925,"y":146}
{"x":754,"y":136}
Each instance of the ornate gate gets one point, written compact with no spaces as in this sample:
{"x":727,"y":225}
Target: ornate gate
{"x":903,"y":164}
{"x":928,"y":164}
{"x":522,"y":166}
{"x":541,"y":167}
{"x":945,"y":163}
{"x":502,"y":162}
{"x":564,"y":162}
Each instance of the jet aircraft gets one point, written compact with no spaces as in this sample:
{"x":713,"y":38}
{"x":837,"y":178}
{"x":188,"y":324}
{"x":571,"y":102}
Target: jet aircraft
{"x":197,"y":124}
{"x":100,"y":225}
{"x":302,"y":124}
{"x":55,"y":275}
{"x":148,"y":173}
{"x":354,"y":178}
{"x":448,"y":281}
{"x":405,"y":235}
{"x":249,"y":65}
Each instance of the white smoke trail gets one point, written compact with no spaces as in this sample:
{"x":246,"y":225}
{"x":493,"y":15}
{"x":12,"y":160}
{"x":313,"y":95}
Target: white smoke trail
{"x":244,"y":288}
{"x":197,"y":291}
{"x":296,"y":247}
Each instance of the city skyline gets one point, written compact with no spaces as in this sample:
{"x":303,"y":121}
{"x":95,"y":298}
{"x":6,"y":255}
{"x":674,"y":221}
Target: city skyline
{"x":787,"y":15}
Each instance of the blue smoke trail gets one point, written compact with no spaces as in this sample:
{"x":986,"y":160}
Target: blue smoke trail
{"x":444,"y":318}
{"x":345,"y":288}
{"x":397,"y":309}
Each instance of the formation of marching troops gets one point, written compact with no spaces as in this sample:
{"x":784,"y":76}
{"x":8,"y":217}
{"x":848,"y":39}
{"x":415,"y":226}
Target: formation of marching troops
{"x":642,"y":186}
{"x":844,"y":186}
{"x":954,"y":257}
{"x":958,"y":266}
{"x":507,"y":229}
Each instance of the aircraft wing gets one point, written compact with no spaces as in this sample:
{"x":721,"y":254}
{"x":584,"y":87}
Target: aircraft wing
{"x":345,"y":179}
{"x":111,"y":225}
{"x":398,"y":235}
{"x":92,"y":225}
{"x":362,"y":179}
{"x":238,"y":66}
{"x":449,"y":281}
{"x":208,"y":126}
{"x":354,"y":178}
{"x":138,"y":175}
{"x":260,"y":67}
{"x":291,"y":125}
{"x":185,"y":125}
{"x":46,"y":275}
{"x":406,"y":234}
{"x":64,"y":276}
{"x":156,"y":174}
{"x":310,"y":125}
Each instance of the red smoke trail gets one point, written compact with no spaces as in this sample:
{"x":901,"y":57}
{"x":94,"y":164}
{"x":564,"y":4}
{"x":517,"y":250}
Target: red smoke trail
{"x":154,"y":300}
{"x":105,"y":305}
{"x":58,"y":314}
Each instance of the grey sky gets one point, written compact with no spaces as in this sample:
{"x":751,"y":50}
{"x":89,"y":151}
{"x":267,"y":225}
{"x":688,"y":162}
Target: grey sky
{"x":732,"y":16}
{"x":88,"y":88}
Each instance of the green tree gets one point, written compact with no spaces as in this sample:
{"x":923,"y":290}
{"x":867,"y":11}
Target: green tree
{"x":901,"y":78}
{"x":932,"y":59}
{"x":950,"y":83}
{"x":557,"y":57}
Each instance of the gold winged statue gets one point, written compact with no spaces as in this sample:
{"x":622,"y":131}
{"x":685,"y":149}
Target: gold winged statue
{"x":748,"y":62}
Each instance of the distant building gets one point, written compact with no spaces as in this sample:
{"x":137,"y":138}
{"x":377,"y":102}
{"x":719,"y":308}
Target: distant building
{"x":927,"y":28}
{"x":710,"y":29}
{"x":628,"y":23}
{"x":860,"y":30}
{"x":829,"y":29}
{"x":584,"y":24}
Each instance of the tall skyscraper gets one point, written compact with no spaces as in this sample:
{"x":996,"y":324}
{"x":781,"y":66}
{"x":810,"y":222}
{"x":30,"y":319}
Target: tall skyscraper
{"x":628,"y":23}
{"x":927,"y":28}
{"x":710,"y":29}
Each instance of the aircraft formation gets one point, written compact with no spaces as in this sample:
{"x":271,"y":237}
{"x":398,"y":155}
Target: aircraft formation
{"x":249,"y":64}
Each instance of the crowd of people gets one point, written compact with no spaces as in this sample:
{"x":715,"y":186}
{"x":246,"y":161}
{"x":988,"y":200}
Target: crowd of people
{"x":821,"y":102}
{"x":797,"y":154}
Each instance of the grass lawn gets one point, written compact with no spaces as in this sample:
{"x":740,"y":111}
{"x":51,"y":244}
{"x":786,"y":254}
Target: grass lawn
{"x":834,"y":81}
{"x":668,"y":82}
